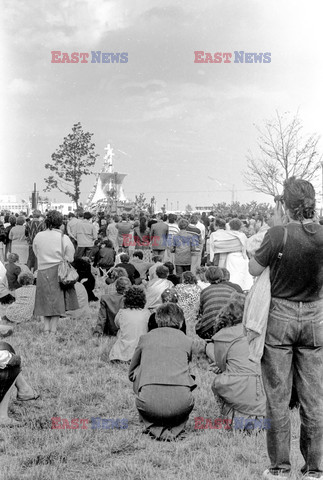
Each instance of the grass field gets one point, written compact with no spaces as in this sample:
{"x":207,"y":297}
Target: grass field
{"x":71,"y":373}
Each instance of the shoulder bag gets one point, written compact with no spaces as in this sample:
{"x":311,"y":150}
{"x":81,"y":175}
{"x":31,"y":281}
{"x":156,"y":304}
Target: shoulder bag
{"x":67,"y":275}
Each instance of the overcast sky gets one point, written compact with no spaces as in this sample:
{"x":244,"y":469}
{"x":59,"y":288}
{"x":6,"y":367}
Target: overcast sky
{"x":180,"y":130}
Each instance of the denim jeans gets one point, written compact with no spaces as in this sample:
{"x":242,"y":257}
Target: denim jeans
{"x":293,"y":355}
{"x":195,"y":261}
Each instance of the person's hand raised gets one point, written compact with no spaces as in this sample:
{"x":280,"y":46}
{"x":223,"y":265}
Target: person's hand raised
{"x":214,"y":368}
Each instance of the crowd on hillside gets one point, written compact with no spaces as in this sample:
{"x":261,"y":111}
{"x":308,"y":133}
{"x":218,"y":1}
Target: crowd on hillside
{"x":244,"y":292}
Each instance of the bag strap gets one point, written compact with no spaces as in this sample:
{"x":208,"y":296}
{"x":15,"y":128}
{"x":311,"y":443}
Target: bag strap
{"x":280,"y":254}
{"x":62,"y":246}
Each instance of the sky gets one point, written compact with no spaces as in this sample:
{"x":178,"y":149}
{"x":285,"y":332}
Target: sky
{"x":180,"y":130}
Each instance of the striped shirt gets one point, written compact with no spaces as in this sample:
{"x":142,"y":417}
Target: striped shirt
{"x":172,"y":229}
{"x":213,"y":298}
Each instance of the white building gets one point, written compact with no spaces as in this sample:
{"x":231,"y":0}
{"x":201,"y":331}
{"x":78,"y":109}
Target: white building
{"x":10,"y":204}
{"x":64,"y":207}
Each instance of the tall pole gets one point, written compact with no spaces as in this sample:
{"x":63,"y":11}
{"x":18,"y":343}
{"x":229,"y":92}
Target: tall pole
{"x":115,"y":193}
{"x":34,"y":198}
{"x":167,"y":203}
{"x":321,"y":211}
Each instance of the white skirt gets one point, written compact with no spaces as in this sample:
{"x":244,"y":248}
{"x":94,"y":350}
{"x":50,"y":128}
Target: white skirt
{"x":238,"y":268}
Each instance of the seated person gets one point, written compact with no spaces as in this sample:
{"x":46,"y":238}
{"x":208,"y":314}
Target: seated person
{"x":109,"y":307}
{"x":83,"y":268}
{"x":238,"y":385}
{"x":113,"y":275}
{"x":157,"y":259}
{"x":138,"y":262}
{"x":212,"y":299}
{"x":106,"y":255}
{"x":132,"y":272}
{"x":202,"y":282}
{"x":155,"y":287}
{"x":168,"y":296}
{"x":189,"y":300}
{"x":160,"y":374}
{"x":10,"y":375}
{"x":175,"y":279}
{"x":23,"y":308}
{"x":6,"y":298}
{"x":13,"y":271}
{"x":132,"y":322}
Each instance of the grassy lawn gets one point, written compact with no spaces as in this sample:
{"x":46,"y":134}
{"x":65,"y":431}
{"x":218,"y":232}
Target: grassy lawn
{"x":71,"y":373}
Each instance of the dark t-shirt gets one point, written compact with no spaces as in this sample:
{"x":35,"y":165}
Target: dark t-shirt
{"x":175,"y":279}
{"x":298,"y":275}
{"x":151,"y":222}
{"x":131,"y":271}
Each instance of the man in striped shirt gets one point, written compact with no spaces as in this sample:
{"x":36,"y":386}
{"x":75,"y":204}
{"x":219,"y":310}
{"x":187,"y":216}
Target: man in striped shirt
{"x":213,"y":298}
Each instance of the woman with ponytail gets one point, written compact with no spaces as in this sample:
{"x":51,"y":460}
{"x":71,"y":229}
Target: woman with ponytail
{"x":293,"y":352}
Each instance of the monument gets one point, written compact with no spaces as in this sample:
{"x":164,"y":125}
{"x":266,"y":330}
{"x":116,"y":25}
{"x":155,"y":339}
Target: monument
{"x":107,"y":192}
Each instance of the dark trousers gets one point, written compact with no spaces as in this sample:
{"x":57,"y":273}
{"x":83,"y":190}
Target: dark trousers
{"x":164,"y":408}
{"x":74,"y":242}
{"x":32,"y":259}
{"x":293,"y":355}
{"x":180,"y":269}
{"x":83,"y":252}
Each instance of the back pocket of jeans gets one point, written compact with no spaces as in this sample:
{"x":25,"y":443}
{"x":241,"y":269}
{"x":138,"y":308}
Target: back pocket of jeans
{"x":276,"y":331}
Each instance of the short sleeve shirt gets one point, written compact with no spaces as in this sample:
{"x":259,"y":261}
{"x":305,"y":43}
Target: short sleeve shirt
{"x":298,"y":275}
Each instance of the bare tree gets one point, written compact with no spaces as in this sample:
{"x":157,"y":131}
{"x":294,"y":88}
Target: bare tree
{"x":283,"y":153}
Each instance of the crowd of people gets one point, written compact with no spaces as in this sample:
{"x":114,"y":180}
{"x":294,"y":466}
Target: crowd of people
{"x":178,"y":286}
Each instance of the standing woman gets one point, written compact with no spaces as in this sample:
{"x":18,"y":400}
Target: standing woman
{"x":293,"y":351}
{"x":231,"y":247}
{"x":142,"y":239}
{"x":51,"y":300}
{"x":182,"y":247}
{"x":19,"y":244}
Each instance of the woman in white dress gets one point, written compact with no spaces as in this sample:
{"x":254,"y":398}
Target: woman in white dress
{"x":231,"y":247}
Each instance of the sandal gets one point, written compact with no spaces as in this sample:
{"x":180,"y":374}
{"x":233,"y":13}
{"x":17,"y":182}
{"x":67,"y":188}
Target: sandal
{"x":26,"y":397}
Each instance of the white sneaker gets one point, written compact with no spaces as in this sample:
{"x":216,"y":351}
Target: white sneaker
{"x":271,"y":476}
